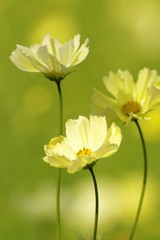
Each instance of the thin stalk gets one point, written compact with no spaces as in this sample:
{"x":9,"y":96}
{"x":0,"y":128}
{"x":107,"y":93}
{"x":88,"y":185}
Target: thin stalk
{"x":96,"y":203}
{"x":60,"y":107}
{"x":144,"y":182}
{"x":58,"y":217}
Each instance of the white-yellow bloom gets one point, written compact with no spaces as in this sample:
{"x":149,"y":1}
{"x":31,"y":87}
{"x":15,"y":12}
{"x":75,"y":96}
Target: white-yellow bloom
{"x":53,"y":59}
{"x":130,"y":100}
{"x":86,"y":141}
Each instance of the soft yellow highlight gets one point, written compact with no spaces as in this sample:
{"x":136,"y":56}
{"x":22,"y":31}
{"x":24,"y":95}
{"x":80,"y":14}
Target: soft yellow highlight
{"x":59,"y":25}
{"x":141,"y":20}
{"x":121,"y":195}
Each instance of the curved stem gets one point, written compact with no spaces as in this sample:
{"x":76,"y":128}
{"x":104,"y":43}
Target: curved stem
{"x":144,"y":182}
{"x":96,"y":203}
{"x":58,"y":219}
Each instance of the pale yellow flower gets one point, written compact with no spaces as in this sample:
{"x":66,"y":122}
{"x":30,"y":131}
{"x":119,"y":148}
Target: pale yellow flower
{"x":53,"y":59}
{"x":86,"y":141}
{"x":130,"y":100}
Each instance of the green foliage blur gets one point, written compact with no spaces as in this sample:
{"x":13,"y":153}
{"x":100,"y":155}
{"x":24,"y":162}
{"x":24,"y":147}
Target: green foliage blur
{"x":123,"y":34}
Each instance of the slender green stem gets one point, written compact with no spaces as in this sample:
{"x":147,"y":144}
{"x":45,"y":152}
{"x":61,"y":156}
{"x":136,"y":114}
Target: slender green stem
{"x":58,"y":217}
{"x":60,"y":107}
{"x":96,"y":203}
{"x":144,"y":182}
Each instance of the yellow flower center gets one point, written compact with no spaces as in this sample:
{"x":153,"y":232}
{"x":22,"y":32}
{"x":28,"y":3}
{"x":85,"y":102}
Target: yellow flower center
{"x":84,"y":152}
{"x":131,"y":107}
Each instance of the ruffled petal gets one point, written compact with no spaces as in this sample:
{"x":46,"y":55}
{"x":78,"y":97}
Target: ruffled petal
{"x":22,"y":61}
{"x":58,"y":161}
{"x":79,"y":55}
{"x":111,"y":142}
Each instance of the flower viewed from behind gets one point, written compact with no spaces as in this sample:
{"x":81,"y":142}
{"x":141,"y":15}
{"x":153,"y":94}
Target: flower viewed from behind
{"x":130,"y":100}
{"x":51,"y":58}
{"x":86,"y":141}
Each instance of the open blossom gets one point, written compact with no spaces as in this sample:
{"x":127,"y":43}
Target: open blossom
{"x":86,"y":141}
{"x":51,"y":58}
{"x":129,"y":100}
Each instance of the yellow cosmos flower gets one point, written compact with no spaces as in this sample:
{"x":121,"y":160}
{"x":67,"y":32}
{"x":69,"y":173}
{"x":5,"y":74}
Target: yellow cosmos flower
{"x":130,"y":100}
{"x":53,"y":59}
{"x":86,"y":141}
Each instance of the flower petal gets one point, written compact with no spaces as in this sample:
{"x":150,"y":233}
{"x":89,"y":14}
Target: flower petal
{"x":104,"y":106}
{"x":77,"y":165}
{"x":44,"y":57}
{"x":53,"y":59}
{"x":111,"y":143}
{"x":68,"y":49}
{"x":58,"y":161}
{"x":77,"y":133}
{"x":54,"y":159}
{"x":80,"y":55}
{"x":22,"y":61}
{"x":96,"y":132}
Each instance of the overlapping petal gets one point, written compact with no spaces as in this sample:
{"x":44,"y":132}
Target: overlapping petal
{"x":86,"y":141}
{"x":52,"y":58}
{"x":129,"y":99}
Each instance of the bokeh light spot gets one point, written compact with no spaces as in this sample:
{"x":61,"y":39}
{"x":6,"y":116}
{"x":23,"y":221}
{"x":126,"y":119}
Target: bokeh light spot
{"x":140,"y":19}
{"x":58,"y":25}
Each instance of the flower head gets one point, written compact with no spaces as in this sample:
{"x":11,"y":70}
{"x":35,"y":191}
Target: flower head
{"x":51,"y":58}
{"x":130,"y":100}
{"x":86,"y":141}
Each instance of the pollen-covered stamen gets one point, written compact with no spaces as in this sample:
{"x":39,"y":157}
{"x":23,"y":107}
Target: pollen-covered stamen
{"x":84,"y":152}
{"x":131,"y":107}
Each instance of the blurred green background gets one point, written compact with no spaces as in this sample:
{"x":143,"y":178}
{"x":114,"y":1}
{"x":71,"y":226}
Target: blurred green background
{"x":123,"y":34}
